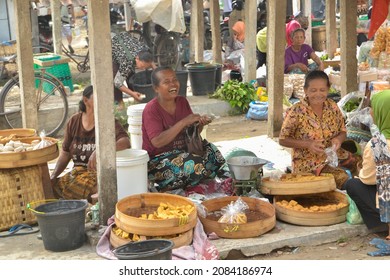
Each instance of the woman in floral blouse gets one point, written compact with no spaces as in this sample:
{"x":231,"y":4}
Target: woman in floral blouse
{"x":311,"y":126}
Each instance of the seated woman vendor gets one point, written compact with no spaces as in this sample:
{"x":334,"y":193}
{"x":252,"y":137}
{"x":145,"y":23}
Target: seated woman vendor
{"x":79,"y":146}
{"x":297,"y":55}
{"x":312,"y":125}
{"x":164,"y":121}
{"x":370,"y":190}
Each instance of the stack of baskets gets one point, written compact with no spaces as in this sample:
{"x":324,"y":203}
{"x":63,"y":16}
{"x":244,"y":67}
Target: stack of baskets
{"x":22,"y":177}
{"x":128,"y":219}
{"x":308,"y":200}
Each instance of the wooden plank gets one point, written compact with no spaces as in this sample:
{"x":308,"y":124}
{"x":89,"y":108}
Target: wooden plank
{"x":250,"y":40}
{"x":101,"y":66}
{"x":46,"y":182}
{"x":197,"y":31}
{"x":55,"y":6}
{"x":25,"y":63}
{"x":216,"y":31}
{"x":348,"y":11}
{"x":276,"y":41}
{"x":331,"y":30}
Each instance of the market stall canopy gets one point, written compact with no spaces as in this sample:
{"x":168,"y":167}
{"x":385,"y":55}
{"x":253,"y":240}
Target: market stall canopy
{"x":167,"y":13}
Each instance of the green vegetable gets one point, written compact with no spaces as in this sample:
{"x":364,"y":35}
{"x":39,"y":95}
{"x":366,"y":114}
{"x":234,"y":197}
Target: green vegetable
{"x":352,"y":104}
{"x":238,"y":94}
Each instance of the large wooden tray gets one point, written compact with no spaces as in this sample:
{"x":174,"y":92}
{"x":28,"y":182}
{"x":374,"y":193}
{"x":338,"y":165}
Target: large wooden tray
{"x":253,"y":228}
{"x":129,"y":209}
{"x":5,"y":134}
{"x":304,"y":218}
{"x":324,"y":183}
{"x":28,"y":158}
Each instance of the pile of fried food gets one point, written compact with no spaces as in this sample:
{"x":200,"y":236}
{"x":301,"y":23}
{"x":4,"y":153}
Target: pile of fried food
{"x":169,"y":211}
{"x":16,"y":145}
{"x":6,"y":139}
{"x":135,"y":237}
{"x":238,"y":218}
{"x":296,"y":177}
{"x":381,"y":42}
{"x":294,"y":205}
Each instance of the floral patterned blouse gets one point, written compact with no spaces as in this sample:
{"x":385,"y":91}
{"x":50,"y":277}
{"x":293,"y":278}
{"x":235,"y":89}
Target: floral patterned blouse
{"x":302,"y":123}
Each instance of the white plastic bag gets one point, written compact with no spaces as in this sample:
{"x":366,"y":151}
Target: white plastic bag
{"x":44,"y":142}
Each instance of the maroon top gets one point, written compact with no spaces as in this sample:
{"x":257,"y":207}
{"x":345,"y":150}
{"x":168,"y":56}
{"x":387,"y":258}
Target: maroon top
{"x":80,"y":143}
{"x":156,"y":120}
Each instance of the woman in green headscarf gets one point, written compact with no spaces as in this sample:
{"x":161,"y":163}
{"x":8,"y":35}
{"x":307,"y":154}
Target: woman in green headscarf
{"x":371,"y":191}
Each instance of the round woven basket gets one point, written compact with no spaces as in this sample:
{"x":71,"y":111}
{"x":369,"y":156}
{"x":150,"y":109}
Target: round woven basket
{"x":12,"y":134}
{"x":298,"y":184}
{"x":28,"y":158}
{"x":181,"y":239}
{"x":129,"y":209}
{"x":305,"y":218}
{"x":260,"y":215}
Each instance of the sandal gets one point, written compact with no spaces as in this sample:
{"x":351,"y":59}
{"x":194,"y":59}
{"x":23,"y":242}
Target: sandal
{"x":19,"y":229}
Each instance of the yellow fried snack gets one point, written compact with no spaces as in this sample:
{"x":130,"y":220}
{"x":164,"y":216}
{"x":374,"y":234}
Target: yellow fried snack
{"x":294,"y":205}
{"x":239,"y":218}
{"x":169,"y":211}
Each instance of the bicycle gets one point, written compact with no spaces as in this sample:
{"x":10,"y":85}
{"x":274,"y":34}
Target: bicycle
{"x":81,"y":60}
{"x":165,"y":45}
{"x":52,"y":103}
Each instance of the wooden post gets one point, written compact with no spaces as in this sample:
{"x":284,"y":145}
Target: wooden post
{"x":276,"y":42}
{"x":197,"y":31}
{"x":102,"y":80}
{"x":216,"y":31}
{"x":250,"y":40}
{"x":331,"y":30}
{"x":55,"y":6}
{"x":25,"y":64}
{"x":307,"y":13}
{"x":348,"y":12}
{"x":128,"y":17}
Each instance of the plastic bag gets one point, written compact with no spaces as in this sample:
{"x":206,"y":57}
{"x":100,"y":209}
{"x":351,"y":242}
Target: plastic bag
{"x":331,"y":157}
{"x":351,"y":103}
{"x":44,"y":142}
{"x":353,"y":215}
{"x":193,"y":140}
{"x":234,"y":213}
{"x":257,"y":110}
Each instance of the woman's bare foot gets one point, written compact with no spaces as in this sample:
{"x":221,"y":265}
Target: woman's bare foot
{"x":388,"y":237}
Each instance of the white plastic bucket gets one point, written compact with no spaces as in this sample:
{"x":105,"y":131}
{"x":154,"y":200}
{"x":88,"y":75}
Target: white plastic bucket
{"x":132,"y":172}
{"x":135,"y":137}
{"x":134,"y":113}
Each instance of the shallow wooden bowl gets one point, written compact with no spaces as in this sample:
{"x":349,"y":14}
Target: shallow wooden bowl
{"x":129,"y":209}
{"x":183,"y":239}
{"x":261,"y":218}
{"x":304,"y":218}
{"x":28,"y":158}
{"x":14,"y":134}
{"x":322,"y":183}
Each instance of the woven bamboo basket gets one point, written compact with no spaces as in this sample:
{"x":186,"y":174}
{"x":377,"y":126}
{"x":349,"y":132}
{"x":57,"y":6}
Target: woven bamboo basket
{"x":29,"y":158}
{"x":322,"y":183}
{"x":11,"y":134}
{"x":305,"y":218}
{"x":182,"y":239}
{"x":129,"y":209}
{"x":260,"y":215}
{"x":18,"y":187}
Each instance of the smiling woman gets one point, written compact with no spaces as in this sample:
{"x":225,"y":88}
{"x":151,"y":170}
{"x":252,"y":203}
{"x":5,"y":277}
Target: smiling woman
{"x":164,"y":121}
{"x":311,"y":126}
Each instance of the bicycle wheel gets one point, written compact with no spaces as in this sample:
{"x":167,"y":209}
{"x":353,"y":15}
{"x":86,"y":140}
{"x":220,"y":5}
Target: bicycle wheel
{"x":79,"y":54}
{"x":52,"y":103}
{"x":167,"y":49}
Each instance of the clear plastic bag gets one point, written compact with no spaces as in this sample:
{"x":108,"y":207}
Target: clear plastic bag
{"x":234,"y":212}
{"x":44,"y":142}
{"x":331,"y":157}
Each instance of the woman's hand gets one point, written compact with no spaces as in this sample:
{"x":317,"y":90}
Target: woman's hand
{"x":53,"y":181}
{"x":336,"y":143}
{"x":303,"y":67}
{"x":316,"y":146}
{"x":92,"y":161}
{"x":137,"y":96}
{"x":191,"y":119}
{"x":205,"y":120}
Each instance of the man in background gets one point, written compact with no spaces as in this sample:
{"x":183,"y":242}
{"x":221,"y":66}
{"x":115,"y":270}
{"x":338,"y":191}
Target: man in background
{"x":67,"y":20}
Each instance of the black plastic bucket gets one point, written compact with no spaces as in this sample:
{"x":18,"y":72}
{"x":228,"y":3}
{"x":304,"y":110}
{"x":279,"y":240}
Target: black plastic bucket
{"x":142,"y":83}
{"x":152,"y":249}
{"x":218,"y":76}
{"x":202,"y":77}
{"x":182,"y":76}
{"x":62,"y":224}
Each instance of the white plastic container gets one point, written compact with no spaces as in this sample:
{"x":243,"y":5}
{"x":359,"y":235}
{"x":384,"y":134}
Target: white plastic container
{"x":134,"y":113}
{"x":132,"y":172}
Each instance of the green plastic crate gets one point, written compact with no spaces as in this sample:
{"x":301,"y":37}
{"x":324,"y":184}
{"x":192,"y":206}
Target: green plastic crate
{"x":57,"y":66}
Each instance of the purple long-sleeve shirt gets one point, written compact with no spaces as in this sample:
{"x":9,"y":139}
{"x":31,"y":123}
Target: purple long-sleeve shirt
{"x":292,"y":57}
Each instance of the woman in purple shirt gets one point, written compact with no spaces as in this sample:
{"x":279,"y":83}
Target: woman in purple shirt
{"x":297,"y":55}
